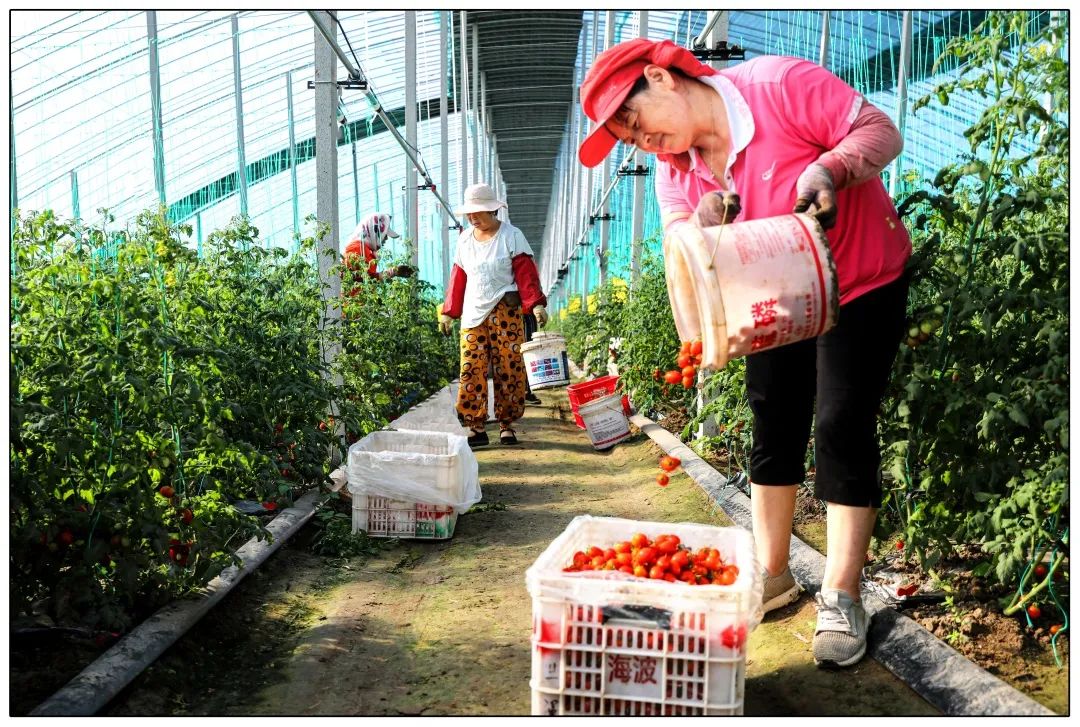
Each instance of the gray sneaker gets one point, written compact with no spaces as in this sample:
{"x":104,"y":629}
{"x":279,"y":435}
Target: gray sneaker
{"x":840,"y":638}
{"x":779,"y":591}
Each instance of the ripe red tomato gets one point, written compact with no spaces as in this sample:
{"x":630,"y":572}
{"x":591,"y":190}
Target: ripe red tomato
{"x":670,"y":578}
{"x":641,"y":571}
{"x":689,"y":371}
{"x":624,"y":559}
{"x":668,"y":545}
{"x":664,"y":561}
{"x":662,"y":479}
{"x":166,"y":491}
{"x":639,"y":540}
{"x":187,"y":516}
{"x":688,"y":382}
{"x":732,"y":637}
{"x":594,"y":551}
{"x":725,"y":577}
{"x":1054,"y":629}
{"x":623,"y":547}
{"x":65,"y":538}
{"x":668,"y":463}
{"x":680,"y":559}
{"x":673,"y":376}
{"x":1040,"y":571}
{"x":688,"y":577}
{"x":683,"y":361}
{"x":1034,"y":612}
{"x":899,"y":544}
{"x":626,"y":569}
{"x":609,"y":554}
{"x":696,"y":347}
{"x":645,"y":556}
{"x":656,"y":572}
{"x":687,"y":346}
{"x":271,"y":506}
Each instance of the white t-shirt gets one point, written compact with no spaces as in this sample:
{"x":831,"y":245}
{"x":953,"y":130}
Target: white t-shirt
{"x":489,"y":271}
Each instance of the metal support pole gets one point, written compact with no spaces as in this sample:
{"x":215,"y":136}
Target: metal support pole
{"x":485,"y":150}
{"x":586,"y":257}
{"x":463,"y":103}
{"x":719,"y":33}
{"x":326,"y":175}
{"x":823,"y":56}
{"x":75,"y":195}
{"x":444,"y":128}
{"x":474,"y":88}
{"x":901,"y":99}
{"x":355,"y":187}
{"x":155,"y":104}
{"x":357,"y":74}
{"x":412,"y":226}
{"x":292,"y":155}
{"x":14,"y":175}
{"x":638,"y":227}
{"x":241,"y":162}
{"x":576,"y":170}
{"x":605,"y":210}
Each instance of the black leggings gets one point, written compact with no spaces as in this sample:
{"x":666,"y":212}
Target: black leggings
{"x":846,"y":370}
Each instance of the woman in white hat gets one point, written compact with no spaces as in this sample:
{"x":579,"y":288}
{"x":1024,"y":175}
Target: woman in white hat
{"x":493,"y":280}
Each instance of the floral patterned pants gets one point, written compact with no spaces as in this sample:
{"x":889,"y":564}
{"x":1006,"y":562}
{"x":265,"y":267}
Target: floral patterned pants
{"x":496,"y":343}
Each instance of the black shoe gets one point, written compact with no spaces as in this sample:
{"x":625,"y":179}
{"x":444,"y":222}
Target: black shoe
{"x":533,"y":399}
{"x":478,"y":439}
{"x":507,"y":436}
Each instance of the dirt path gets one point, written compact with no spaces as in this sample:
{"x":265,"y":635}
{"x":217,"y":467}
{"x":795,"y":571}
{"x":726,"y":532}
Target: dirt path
{"x":442,"y":628}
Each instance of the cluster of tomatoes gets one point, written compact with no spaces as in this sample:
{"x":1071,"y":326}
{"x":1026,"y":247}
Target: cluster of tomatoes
{"x":668,"y":464}
{"x":920,"y":332}
{"x":687,"y":363}
{"x":186,"y":515}
{"x":665,"y":558}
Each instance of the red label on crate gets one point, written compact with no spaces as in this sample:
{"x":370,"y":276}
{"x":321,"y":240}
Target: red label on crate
{"x":631,"y":669}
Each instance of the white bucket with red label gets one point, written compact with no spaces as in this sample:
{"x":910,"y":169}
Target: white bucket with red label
{"x":605,"y":421}
{"x":750,"y":286}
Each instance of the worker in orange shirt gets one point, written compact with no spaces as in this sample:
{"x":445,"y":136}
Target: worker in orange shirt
{"x":362,"y":249}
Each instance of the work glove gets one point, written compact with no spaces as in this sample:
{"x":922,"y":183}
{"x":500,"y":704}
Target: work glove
{"x":716,"y":209}
{"x":446,"y":324}
{"x":814,"y":189}
{"x":541,"y":315}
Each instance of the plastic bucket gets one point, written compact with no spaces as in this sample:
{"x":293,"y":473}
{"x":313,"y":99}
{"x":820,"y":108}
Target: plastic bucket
{"x":545,"y":361}
{"x":586,"y":391}
{"x":750,"y":286}
{"x":605,"y":421}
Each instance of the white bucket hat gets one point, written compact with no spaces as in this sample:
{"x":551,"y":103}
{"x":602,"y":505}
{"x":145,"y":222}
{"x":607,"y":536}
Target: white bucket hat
{"x":479,"y":198}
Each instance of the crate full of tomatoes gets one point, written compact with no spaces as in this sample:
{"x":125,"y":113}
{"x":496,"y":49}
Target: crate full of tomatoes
{"x":642,"y":618}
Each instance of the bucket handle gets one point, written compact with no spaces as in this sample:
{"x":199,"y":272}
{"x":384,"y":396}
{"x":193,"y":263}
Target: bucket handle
{"x":659,"y":618}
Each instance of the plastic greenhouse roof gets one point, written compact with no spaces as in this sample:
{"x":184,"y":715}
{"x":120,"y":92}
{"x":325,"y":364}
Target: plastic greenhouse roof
{"x":83,"y":131}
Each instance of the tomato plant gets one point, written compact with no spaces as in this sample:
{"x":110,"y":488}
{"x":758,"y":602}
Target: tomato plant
{"x":153,"y":386}
{"x":987,"y":462}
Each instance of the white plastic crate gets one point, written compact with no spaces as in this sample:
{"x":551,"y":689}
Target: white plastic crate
{"x":381,"y":517}
{"x":411,"y":484}
{"x":606,"y":643}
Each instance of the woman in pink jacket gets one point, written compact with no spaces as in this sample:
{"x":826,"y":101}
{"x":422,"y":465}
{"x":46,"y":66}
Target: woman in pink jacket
{"x":492,"y":281}
{"x":784,"y":135}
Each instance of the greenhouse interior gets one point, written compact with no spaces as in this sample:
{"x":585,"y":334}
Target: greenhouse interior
{"x":277,"y":407}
